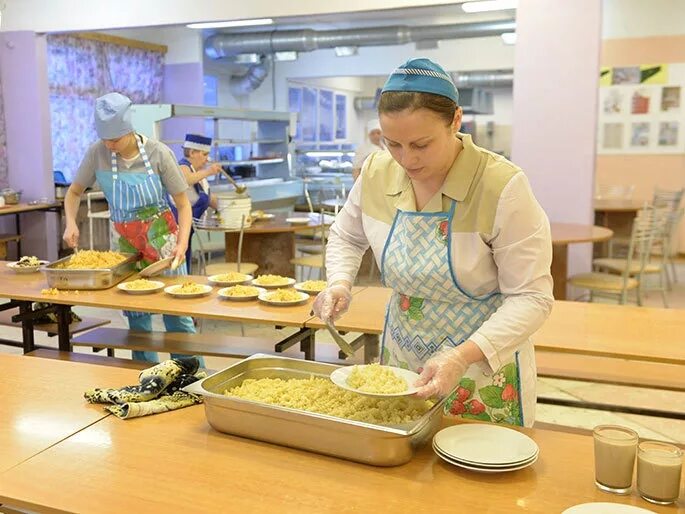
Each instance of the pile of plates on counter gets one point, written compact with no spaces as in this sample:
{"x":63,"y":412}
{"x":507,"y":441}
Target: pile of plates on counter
{"x":485,"y":448}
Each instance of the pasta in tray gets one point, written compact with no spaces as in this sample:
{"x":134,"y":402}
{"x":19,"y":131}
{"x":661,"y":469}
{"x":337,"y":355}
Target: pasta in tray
{"x":375,"y":378}
{"x":283,"y":295}
{"x":322,"y":396}
{"x":271,"y":280}
{"x":93,"y":259}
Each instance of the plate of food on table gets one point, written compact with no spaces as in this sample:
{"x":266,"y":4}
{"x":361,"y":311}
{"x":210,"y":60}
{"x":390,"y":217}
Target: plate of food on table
{"x":230,"y":278}
{"x":283,"y":297}
{"x":273,"y":281}
{"x":188,"y":290}
{"x":241,"y":293}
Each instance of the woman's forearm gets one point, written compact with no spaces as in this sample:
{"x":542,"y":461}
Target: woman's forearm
{"x":185,"y":218}
{"x":72,"y":201}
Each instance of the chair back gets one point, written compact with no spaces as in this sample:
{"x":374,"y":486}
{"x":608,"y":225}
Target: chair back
{"x":648,"y":226}
{"x":667,"y":199}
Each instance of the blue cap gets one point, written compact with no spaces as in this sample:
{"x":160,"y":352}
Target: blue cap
{"x":113,"y":116}
{"x":197,"y":142}
{"x":422,"y":76}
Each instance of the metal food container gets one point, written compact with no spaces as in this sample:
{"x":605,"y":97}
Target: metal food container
{"x":86,"y":279}
{"x":379,"y":445}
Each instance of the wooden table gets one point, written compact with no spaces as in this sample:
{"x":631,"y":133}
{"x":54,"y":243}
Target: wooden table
{"x":41,"y":402}
{"x":22,"y":208}
{"x":564,"y":234}
{"x":621,"y":331}
{"x":174,"y":462}
{"x":27,"y":288}
{"x":269,"y":243}
{"x":617,"y":215}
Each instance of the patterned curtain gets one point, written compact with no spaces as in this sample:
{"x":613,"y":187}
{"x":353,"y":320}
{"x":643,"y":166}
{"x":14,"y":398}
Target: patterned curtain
{"x":4,"y":179}
{"x":79,"y":71}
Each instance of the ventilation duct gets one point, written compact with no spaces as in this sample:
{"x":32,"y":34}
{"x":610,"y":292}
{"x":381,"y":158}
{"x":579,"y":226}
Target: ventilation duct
{"x":245,"y":84}
{"x":221,"y":45}
{"x":504,"y":78}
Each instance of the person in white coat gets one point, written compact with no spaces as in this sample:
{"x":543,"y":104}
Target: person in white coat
{"x":462,"y":242}
{"x":374,"y":143}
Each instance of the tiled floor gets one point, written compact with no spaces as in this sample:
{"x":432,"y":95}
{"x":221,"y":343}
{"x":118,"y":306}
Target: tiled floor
{"x":648,"y":427}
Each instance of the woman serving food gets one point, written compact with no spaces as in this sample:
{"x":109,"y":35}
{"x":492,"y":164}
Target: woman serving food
{"x":463,"y":243}
{"x":135,"y":174}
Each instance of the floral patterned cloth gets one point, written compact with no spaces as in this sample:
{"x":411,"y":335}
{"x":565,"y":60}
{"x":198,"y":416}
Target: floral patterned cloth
{"x":81,"y":70}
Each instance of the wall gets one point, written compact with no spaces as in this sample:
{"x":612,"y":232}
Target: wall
{"x":644,"y":171}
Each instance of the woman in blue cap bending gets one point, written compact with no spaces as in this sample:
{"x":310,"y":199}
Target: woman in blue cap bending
{"x":195,"y":170}
{"x":462,"y":242}
{"x":135,"y":174}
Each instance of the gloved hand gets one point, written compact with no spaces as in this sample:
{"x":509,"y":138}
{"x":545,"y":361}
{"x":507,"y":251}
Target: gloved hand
{"x":441,"y":373}
{"x":332,"y":302}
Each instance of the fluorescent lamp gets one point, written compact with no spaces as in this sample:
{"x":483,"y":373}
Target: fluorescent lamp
{"x":489,"y":5}
{"x":509,"y":38}
{"x":323,"y":153}
{"x":232,"y":23}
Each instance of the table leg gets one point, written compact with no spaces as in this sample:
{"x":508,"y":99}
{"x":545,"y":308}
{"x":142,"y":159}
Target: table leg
{"x":559,"y":270}
{"x":17,"y":224}
{"x":372,"y":346}
{"x":27,"y":328}
{"x":271,"y":252}
{"x":63,"y":322}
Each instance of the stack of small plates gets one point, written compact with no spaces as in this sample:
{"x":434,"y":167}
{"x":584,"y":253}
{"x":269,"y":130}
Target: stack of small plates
{"x":485,"y":448}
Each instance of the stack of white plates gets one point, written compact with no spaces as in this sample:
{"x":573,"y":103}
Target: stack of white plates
{"x":485,"y":448}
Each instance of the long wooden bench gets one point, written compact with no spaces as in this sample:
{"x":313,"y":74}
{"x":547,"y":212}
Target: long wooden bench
{"x":86,"y":323}
{"x":211,"y":344}
{"x":4,"y":240}
{"x":610,"y":370}
{"x":45,"y":353}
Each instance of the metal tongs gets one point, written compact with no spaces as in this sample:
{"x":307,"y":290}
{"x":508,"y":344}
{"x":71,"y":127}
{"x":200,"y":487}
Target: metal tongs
{"x":342,"y":344}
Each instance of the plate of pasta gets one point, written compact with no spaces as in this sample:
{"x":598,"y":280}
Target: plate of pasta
{"x":313,"y":287}
{"x":375,"y":380}
{"x":231,"y":278}
{"x":241,"y":293}
{"x":141,"y":286}
{"x":283,"y":297}
{"x":188,"y":290}
{"x":273,"y":281}
{"x":27,"y":264}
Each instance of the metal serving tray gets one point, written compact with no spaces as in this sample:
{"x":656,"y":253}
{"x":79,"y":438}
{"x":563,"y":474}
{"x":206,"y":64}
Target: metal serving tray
{"x":379,"y":445}
{"x":85,"y":279}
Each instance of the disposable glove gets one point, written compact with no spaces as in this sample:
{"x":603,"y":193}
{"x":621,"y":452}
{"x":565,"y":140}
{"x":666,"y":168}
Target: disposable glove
{"x":332,"y":302}
{"x":441,"y":373}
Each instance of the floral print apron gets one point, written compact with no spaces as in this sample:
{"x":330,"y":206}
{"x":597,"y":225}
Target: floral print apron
{"x":430,"y":310}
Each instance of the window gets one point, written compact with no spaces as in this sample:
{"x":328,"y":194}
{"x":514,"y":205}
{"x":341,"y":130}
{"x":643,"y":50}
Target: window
{"x":322,"y":114}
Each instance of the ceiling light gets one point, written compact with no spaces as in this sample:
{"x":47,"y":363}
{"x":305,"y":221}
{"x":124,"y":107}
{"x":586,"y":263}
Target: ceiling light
{"x":489,"y":5}
{"x":345,"y":51}
{"x":232,"y":23}
{"x":509,"y":38}
{"x":285,"y":56}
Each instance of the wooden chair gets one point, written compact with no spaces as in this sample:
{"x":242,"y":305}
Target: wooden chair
{"x":645,"y":226}
{"x":4,"y":240}
{"x":317,"y":260}
{"x":614,"y":192}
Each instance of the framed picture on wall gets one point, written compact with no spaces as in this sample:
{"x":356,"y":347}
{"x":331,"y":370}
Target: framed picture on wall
{"x":670,"y":98}
{"x":640,"y":134}
{"x":668,"y":133}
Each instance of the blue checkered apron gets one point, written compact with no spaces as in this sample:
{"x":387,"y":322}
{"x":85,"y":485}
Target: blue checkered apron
{"x":430,"y":310}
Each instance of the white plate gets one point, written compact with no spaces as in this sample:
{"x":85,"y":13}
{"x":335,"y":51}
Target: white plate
{"x":605,"y":508}
{"x":222,"y":294}
{"x":214,"y":280}
{"x":298,"y":287}
{"x":157,"y":286}
{"x":172,"y":291}
{"x":25,"y":269}
{"x":285,"y":285}
{"x":297,"y":221}
{"x":485,"y":444}
{"x":437,"y":449}
{"x":483,"y":469}
{"x":339,"y":377}
{"x":156,"y":267}
{"x":303,"y":298}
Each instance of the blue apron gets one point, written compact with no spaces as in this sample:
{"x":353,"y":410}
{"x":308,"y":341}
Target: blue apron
{"x":199,"y":208}
{"x":140,"y":213}
{"x":430,"y":310}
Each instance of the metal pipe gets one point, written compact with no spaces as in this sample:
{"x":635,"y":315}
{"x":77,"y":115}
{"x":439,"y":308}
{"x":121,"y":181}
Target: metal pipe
{"x":228,"y":45}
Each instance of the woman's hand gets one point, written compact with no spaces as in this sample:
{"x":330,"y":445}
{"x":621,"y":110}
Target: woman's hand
{"x":214,"y":169}
{"x":332,"y":302}
{"x":179,"y":255}
{"x":71,"y":235}
{"x":441,"y":373}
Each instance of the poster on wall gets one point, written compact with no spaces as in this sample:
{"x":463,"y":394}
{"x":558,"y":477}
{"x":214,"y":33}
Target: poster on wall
{"x":640,"y":109}
{"x":639,"y":135}
{"x":670,"y":98}
{"x":668,"y":133}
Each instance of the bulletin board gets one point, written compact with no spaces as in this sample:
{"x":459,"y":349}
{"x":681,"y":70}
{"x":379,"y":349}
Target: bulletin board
{"x":641,"y":109}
